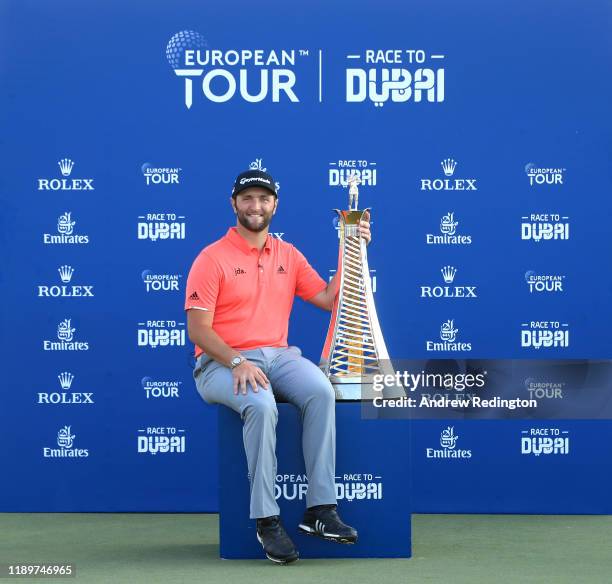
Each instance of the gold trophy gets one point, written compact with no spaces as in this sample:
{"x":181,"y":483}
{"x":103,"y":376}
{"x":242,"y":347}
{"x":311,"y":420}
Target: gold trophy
{"x":354,"y":349}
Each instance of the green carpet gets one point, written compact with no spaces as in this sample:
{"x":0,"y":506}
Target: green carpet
{"x":158,"y":548}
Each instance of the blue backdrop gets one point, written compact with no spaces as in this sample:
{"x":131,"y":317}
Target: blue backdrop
{"x":482,"y":134}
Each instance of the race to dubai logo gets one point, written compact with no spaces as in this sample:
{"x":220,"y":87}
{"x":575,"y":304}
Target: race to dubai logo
{"x":396,"y":75}
{"x":161,"y":440}
{"x":544,"y":334}
{"x":350,"y":486}
{"x":161,"y":333}
{"x":65,"y":184}
{"x":161,"y":226}
{"x":341,"y":170}
{"x":538,"y":441}
{"x":545,"y":227}
{"x":255,"y":75}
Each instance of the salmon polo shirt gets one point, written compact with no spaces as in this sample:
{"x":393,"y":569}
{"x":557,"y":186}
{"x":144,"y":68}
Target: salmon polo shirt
{"x":249,"y":292}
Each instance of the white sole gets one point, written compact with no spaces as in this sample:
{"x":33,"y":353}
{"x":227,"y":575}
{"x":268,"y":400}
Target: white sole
{"x":275,"y":560}
{"x":329,"y":536}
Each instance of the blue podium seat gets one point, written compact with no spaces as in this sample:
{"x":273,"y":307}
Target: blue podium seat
{"x":372,"y":486}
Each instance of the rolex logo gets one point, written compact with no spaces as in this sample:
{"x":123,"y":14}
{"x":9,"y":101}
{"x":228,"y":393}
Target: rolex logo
{"x":65,"y":273}
{"x":448,"y":273}
{"x":66,"y":184}
{"x":448,"y":166}
{"x":65,"y":379}
{"x":65,"y":165}
{"x":65,"y":291}
{"x":448,"y":332}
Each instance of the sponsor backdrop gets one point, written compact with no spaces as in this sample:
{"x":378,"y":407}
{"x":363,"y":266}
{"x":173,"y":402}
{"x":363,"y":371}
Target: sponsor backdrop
{"x":483,"y":156}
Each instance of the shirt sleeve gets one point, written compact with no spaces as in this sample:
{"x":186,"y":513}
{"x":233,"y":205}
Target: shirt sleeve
{"x":203,"y":284}
{"x":308,"y":283}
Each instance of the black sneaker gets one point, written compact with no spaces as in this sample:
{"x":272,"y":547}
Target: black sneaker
{"x":274,"y":539}
{"x":323,"y":521}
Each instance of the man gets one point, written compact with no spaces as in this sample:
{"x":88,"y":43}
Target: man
{"x":239,"y":295}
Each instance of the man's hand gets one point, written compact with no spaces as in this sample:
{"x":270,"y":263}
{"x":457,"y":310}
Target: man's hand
{"x":364,"y":228}
{"x":247,"y":372}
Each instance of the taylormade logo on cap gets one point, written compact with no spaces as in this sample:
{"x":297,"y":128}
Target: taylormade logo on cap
{"x":257,"y":178}
{"x":254,"y":177}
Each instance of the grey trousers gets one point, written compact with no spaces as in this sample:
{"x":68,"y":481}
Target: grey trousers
{"x":298,"y":381}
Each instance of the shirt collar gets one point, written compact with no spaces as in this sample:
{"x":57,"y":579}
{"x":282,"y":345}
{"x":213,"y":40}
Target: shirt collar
{"x":243,"y":245}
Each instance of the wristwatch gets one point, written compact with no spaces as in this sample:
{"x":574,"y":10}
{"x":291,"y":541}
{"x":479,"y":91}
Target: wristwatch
{"x":236,"y":361}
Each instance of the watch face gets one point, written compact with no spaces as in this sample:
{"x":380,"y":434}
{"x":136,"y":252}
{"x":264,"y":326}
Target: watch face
{"x":236,"y":361}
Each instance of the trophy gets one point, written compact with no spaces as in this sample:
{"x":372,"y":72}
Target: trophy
{"x":354,"y":349}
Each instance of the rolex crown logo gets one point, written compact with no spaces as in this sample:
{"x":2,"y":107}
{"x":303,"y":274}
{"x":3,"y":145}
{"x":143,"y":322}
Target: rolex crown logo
{"x":65,"y":273}
{"x":65,"y":165}
{"x":65,"y":379}
{"x":448,"y":273}
{"x":448,"y":166}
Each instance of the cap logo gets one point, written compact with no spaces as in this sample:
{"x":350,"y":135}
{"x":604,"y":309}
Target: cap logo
{"x":257,"y":178}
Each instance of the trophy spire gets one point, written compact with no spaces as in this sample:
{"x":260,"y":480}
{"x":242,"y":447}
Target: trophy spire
{"x":354,"y":349}
{"x":353,"y":181}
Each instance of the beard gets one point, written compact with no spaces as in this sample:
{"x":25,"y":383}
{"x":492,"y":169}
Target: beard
{"x":254,"y":223}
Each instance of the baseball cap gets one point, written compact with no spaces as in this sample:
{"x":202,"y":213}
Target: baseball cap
{"x":254,"y":178}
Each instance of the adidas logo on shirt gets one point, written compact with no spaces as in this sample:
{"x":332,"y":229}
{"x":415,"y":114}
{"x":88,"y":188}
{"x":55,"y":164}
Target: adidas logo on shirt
{"x":194,"y":296}
{"x":238,"y":271}
{"x":281,"y":270}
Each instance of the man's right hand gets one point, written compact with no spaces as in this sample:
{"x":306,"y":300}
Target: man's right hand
{"x":247,"y":372}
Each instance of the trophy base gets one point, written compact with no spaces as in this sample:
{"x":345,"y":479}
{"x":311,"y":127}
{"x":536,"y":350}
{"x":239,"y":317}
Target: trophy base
{"x":351,"y":391}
